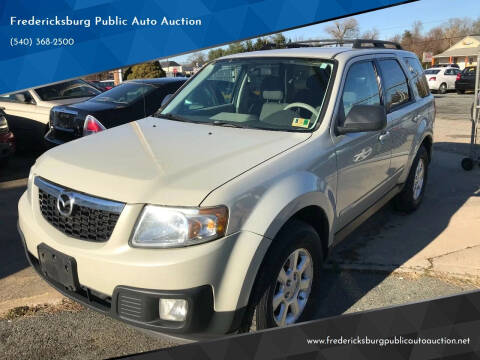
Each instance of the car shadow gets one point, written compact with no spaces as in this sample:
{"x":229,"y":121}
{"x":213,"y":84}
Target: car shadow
{"x":389,"y":239}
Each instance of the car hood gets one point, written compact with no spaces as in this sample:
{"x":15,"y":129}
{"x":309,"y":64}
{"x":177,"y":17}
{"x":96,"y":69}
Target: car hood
{"x":161,"y":161}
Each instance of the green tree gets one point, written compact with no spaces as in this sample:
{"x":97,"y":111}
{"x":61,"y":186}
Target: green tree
{"x":148,"y":70}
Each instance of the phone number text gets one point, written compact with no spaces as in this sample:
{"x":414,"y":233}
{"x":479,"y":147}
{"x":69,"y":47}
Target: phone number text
{"x":29,"y":42}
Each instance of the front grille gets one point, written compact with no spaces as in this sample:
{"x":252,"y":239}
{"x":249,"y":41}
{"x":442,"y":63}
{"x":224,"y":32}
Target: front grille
{"x":91,"y":218}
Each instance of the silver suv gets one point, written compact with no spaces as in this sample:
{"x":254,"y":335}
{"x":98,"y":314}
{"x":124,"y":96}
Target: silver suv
{"x":224,"y":205}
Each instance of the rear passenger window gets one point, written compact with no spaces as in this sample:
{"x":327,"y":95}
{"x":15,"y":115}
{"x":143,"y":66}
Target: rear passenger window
{"x":361,"y":86}
{"x":420,"y":81}
{"x":395,"y":82}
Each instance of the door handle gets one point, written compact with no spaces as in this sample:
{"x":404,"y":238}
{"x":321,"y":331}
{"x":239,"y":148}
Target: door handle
{"x":384,"y":136}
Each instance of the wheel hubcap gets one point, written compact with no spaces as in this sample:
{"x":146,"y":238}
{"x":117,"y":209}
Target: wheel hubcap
{"x":293,"y":286}
{"x":419,"y":179}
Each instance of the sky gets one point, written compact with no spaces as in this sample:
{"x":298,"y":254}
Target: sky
{"x":394,"y":20}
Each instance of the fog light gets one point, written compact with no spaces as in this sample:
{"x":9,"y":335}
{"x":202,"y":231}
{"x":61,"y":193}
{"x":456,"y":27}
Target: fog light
{"x":173,"y":309}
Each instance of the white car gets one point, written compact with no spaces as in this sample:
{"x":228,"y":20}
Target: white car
{"x":28,"y":111}
{"x":223,"y":205}
{"x":442,"y":79}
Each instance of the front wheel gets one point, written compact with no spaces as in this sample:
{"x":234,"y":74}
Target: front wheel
{"x":412,"y":194}
{"x":288,"y":281}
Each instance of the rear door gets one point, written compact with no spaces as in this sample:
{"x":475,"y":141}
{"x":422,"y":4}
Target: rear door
{"x":363,"y":159}
{"x":401,"y":112}
{"x":450,"y":77}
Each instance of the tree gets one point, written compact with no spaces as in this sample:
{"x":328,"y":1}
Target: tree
{"x":343,"y":29}
{"x":196,"y":59}
{"x":148,"y":70}
{"x":279,"y":40}
{"x":371,"y":34}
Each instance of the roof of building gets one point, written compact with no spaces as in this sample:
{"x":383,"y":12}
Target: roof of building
{"x":169,"y":63}
{"x":461,"y":51}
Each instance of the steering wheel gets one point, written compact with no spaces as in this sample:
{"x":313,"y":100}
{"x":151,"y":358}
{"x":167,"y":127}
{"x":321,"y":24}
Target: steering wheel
{"x":303,"y":106}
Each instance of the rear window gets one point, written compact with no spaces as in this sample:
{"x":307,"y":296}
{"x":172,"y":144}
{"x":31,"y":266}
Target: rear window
{"x":67,"y":90}
{"x":431,"y":72}
{"x":125,"y":93}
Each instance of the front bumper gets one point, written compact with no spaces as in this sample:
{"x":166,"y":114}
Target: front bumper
{"x":211,"y":276}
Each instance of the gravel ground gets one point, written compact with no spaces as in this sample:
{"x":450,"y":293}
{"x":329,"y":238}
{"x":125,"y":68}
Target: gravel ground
{"x":72,"y":332}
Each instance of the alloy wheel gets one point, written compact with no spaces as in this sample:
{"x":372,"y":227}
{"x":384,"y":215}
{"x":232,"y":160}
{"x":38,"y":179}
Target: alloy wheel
{"x":293,"y":287}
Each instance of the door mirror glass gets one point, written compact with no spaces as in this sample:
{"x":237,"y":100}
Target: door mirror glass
{"x":364,"y":118}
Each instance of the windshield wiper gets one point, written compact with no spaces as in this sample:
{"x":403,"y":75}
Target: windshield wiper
{"x":228,"y":124}
{"x":176,"y":117}
{"x":171,"y":116}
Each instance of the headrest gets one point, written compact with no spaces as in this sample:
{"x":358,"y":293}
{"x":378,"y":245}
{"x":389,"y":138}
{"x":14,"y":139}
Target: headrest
{"x":272,"y":83}
{"x":274,"y":95}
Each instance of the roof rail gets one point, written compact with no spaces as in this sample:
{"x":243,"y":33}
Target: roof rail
{"x":356,"y":44}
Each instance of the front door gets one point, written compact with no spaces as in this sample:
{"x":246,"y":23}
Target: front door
{"x":363,"y":159}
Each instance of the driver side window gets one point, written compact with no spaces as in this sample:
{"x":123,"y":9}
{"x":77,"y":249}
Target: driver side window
{"x":361,"y":87}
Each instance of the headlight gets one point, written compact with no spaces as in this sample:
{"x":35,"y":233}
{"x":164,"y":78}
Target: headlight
{"x":165,"y":227}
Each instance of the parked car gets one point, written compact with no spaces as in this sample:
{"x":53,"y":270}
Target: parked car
{"x":7,"y":140}
{"x":28,"y":111}
{"x":441,"y":79}
{"x":466,"y":80}
{"x":222,"y":207}
{"x":131,"y":100}
{"x":448,"y":65}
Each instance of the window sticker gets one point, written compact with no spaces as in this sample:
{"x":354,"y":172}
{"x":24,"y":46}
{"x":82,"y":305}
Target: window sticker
{"x":301,"y":122}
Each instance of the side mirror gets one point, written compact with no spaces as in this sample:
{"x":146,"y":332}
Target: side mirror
{"x":364,"y":118}
{"x":165,"y":99}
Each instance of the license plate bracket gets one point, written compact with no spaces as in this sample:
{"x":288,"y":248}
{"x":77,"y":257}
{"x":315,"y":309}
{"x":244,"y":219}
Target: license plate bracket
{"x":58,"y":267}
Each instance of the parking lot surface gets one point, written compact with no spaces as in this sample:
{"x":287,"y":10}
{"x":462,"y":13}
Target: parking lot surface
{"x":391,"y":259}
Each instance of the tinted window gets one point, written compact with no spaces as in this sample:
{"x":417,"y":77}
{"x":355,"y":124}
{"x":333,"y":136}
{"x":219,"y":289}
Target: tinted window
{"x":469,"y":71}
{"x":22,"y":97}
{"x":67,"y":90}
{"x":395,"y":82}
{"x":431,"y":72}
{"x":361,"y":87}
{"x":125,"y":93}
{"x":419,"y":79}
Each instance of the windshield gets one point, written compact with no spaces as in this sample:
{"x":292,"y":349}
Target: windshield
{"x":67,"y":90}
{"x":125,"y":93}
{"x":431,"y":72}
{"x":260,"y":93}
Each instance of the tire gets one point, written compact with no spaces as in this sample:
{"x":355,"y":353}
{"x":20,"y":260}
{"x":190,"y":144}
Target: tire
{"x":460,"y":92}
{"x":410,"y":198}
{"x":443,"y":88}
{"x":296,"y":237}
{"x":467,"y":164}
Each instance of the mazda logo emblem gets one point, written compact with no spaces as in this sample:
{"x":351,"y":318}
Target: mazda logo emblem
{"x":65,"y":203}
